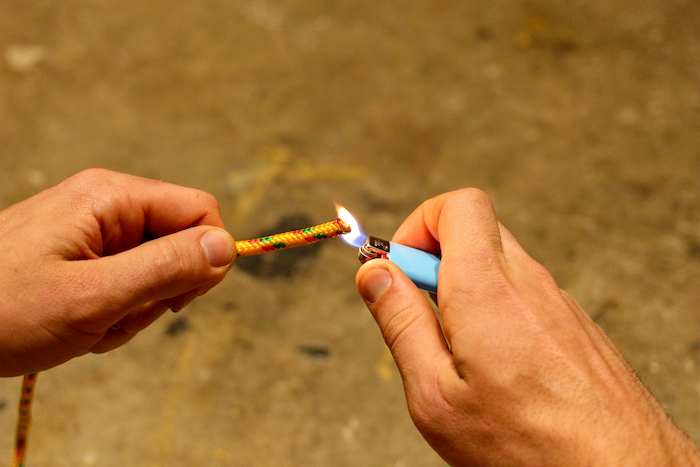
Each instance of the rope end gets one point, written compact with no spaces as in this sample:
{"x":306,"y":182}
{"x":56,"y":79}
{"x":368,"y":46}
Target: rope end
{"x":344,"y":226}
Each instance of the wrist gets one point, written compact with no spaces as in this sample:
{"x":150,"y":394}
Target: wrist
{"x":656,"y":441}
{"x":679,"y":449}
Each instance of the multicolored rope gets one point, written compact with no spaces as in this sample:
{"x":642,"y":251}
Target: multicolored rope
{"x":25,"y":415}
{"x":256,"y":246}
{"x":291,"y":239}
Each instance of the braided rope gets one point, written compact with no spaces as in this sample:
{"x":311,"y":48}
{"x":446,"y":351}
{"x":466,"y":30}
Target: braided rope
{"x":291,"y":239}
{"x":25,"y":415}
{"x":256,"y":246}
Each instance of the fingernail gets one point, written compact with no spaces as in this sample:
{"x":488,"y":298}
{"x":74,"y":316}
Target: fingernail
{"x":217,"y":247}
{"x":375,"y":283}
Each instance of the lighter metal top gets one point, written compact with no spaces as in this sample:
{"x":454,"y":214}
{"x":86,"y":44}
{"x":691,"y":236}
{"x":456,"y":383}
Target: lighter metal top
{"x":373,"y":248}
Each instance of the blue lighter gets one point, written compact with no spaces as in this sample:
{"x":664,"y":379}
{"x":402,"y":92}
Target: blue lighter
{"x":421,"y":267}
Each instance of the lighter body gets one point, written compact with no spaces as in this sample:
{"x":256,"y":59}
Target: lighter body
{"x":421,"y":267}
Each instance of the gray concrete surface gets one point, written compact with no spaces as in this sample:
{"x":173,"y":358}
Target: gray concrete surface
{"x":581,"y":119}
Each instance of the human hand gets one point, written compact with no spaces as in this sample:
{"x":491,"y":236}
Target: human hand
{"x":528,"y":378}
{"x":77,"y":274}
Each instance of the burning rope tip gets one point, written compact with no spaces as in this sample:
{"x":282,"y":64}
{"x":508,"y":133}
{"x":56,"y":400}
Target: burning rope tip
{"x":344,"y":226}
{"x":291,"y":239}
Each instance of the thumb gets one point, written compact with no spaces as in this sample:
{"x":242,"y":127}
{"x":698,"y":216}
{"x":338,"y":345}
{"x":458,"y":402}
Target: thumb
{"x":163,"y":268}
{"x":405,"y":318}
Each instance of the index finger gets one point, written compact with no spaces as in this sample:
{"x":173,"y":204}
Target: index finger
{"x":462,"y":226}
{"x":129,"y":208}
{"x":166,"y":207}
{"x":458,"y":225}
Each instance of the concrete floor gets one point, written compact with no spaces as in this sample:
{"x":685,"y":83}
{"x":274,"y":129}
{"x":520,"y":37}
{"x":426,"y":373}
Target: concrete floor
{"x":581,"y":119}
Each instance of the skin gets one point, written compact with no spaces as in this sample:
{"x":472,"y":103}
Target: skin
{"x":528,"y":379}
{"x":77,"y":276}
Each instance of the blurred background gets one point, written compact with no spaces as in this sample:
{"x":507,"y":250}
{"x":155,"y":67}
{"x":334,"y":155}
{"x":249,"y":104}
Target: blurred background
{"x":580,"y":119}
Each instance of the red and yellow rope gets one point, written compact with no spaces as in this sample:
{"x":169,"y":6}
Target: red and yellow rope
{"x":25,"y":415}
{"x":291,"y":239}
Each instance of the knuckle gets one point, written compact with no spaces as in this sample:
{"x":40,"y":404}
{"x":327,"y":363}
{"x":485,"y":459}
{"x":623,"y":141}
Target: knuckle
{"x":171,"y":263}
{"x":94,"y":172}
{"x":472,"y":195}
{"x":210,"y":204}
{"x":88,"y":189}
{"x":543,"y":276}
{"x":91,"y":175}
{"x":399,"y":325}
{"x":173,"y":257}
{"x":209,"y":199}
